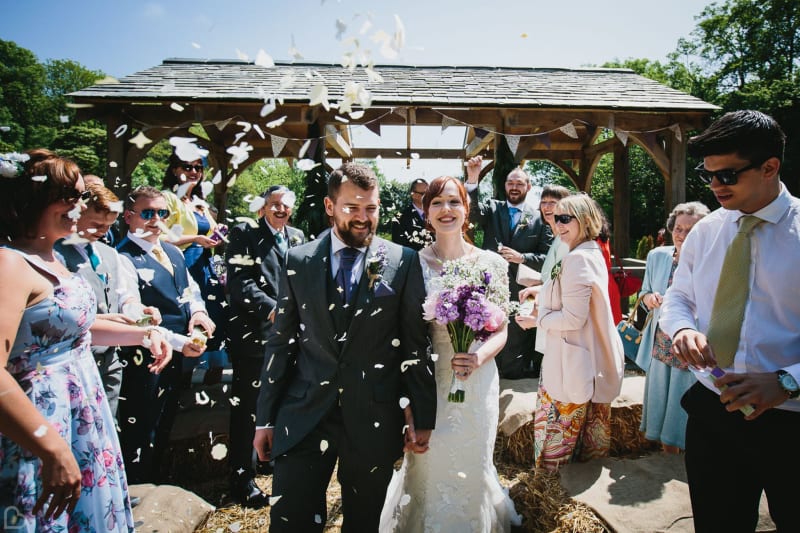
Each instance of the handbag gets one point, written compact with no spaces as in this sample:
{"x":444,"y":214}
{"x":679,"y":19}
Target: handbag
{"x":632,"y":337}
{"x":628,"y":283}
{"x":528,"y":277}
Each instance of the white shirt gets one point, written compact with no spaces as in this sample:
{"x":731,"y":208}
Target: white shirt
{"x":274,"y":231}
{"x":358,"y":266}
{"x":196,"y":303}
{"x":770,"y":337}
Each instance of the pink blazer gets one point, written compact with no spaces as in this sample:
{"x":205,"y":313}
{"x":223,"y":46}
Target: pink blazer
{"x":583,"y":359}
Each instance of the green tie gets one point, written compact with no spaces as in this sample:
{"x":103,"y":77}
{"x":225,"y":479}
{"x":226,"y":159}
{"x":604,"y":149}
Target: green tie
{"x":733,"y":290}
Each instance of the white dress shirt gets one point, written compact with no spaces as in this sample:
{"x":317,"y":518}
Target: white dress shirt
{"x":358,"y":266}
{"x":770,"y":336}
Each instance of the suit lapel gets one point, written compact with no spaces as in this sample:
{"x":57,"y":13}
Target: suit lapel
{"x":315,"y":264}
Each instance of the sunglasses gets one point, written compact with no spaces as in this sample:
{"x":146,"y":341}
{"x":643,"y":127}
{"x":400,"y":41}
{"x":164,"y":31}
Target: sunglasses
{"x":726,"y":176}
{"x":189,"y":168}
{"x":564,"y":219}
{"x":72,"y":196}
{"x":148,"y":214}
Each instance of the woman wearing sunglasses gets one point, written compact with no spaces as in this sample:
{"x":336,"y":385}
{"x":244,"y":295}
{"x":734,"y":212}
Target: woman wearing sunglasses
{"x":61,"y":467}
{"x":182,"y":187}
{"x":583,"y":358}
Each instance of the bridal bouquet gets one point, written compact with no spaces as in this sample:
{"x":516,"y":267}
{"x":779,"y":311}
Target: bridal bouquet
{"x":473,"y":302}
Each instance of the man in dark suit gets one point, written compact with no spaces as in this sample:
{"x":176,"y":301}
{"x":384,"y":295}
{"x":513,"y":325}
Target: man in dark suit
{"x":105,"y":271}
{"x":151,"y":402}
{"x":255,"y":259}
{"x":515,"y":230}
{"x":409,"y":229}
{"x":346,"y":367}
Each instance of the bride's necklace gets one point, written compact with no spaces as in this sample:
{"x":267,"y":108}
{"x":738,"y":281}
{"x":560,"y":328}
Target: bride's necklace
{"x":465,"y":250}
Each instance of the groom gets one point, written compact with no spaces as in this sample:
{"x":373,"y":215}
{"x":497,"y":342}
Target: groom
{"x":346,"y":366}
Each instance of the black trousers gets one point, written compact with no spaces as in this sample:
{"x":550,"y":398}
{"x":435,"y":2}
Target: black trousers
{"x":730,"y":460}
{"x":301,"y":478}
{"x":149,"y":403}
{"x":246,"y":373}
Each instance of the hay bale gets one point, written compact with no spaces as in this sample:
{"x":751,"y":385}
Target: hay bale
{"x":626,"y":439}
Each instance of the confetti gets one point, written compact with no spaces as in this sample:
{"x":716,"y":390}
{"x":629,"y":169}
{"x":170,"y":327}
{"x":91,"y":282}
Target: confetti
{"x":404,"y":402}
{"x":201,"y":398}
{"x":323,"y":446}
{"x":405,"y":364}
{"x":219,"y":452}
{"x":140,"y":140}
{"x":41,"y":431}
{"x":263,"y":59}
{"x":395,"y":342}
{"x":175,"y":106}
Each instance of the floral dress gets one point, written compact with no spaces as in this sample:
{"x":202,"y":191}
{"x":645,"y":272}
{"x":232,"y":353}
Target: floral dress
{"x":52,"y":362}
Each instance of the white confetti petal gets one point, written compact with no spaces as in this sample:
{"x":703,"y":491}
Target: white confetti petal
{"x":263,"y":59}
{"x":41,"y":431}
{"x":219,"y":452}
{"x":395,"y":342}
{"x":323,"y":445}
{"x":404,"y":402}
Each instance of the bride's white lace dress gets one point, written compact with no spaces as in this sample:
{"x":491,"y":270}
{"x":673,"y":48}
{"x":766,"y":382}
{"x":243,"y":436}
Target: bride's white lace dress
{"x":454,"y":485}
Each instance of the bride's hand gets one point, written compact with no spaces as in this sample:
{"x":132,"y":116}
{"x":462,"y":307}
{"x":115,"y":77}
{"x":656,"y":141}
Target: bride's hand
{"x":463,"y":364}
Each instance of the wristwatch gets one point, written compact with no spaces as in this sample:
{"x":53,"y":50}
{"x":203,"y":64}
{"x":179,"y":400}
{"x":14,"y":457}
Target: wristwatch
{"x":788,"y":383}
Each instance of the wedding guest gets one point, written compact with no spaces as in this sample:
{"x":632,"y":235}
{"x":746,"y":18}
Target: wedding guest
{"x":255,"y":259}
{"x":182,"y":188}
{"x":733,"y":305}
{"x":515,"y":230}
{"x":604,"y":241}
{"x":663,"y":418}
{"x":62,"y":468}
{"x":458,"y":468}
{"x":105,"y":271}
{"x":346,"y":365}
{"x":583,"y":360}
{"x":409,"y":230}
{"x":151,"y":403}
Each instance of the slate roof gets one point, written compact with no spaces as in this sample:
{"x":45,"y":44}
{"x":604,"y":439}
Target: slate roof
{"x":243,"y":81}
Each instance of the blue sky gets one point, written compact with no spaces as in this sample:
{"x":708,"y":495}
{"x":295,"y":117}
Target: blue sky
{"x":121,"y":37}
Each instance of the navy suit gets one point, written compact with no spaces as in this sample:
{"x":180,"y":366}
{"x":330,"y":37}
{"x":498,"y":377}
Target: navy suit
{"x":409,"y":230}
{"x":151,"y":400}
{"x":532,"y":238}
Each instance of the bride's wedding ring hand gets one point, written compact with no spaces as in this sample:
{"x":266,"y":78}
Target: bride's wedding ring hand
{"x":464,"y":364}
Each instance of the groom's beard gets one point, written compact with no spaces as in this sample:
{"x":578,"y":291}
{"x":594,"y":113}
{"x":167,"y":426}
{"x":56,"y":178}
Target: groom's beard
{"x":345,"y":233}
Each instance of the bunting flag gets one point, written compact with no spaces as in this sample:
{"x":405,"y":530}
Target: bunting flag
{"x":277,"y":144}
{"x":569,"y":130}
{"x":402,"y":111}
{"x":447,"y":122}
{"x":480,"y":133}
{"x":676,"y":129}
{"x":374,"y":127}
{"x":513,"y":143}
{"x":222,"y":124}
{"x":546,"y":140}
{"x":622,"y":136}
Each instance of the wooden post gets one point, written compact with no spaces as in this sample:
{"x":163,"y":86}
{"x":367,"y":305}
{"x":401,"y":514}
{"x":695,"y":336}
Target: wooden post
{"x":675,"y":190}
{"x":622,"y":201}
{"x":503,"y":165}
{"x":118,"y":175}
{"x":312,"y":208}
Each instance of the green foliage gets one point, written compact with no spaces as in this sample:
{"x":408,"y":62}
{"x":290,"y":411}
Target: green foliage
{"x":259,"y":177}
{"x":84,"y":143}
{"x":644,"y":246}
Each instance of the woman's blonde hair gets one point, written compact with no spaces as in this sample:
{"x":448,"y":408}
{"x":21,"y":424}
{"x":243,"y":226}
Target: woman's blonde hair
{"x":586,"y":212}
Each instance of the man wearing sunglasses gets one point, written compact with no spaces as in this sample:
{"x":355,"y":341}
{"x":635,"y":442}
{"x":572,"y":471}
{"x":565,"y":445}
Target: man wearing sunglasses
{"x":515,"y":230}
{"x":734,"y":316}
{"x":151,"y":402}
{"x":409,"y":229}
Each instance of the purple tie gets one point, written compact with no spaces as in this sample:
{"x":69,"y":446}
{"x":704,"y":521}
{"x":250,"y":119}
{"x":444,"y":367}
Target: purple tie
{"x":347,"y":258}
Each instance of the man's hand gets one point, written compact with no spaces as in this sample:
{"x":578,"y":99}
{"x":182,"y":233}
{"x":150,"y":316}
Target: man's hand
{"x":510,"y":254}
{"x":761,"y":390}
{"x":155,"y":315}
{"x":161,"y":350}
{"x":415,"y":440}
{"x":474,"y":165}
{"x":204,"y":321}
{"x":191,"y":349}
{"x":262,"y":442}
{"x":691,"y":347}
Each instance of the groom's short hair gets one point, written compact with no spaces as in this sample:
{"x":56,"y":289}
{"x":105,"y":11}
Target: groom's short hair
{"x":361,"y":176}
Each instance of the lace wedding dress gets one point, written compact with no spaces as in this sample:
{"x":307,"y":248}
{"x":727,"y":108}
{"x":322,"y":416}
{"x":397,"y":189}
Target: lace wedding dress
{"x":454,"y":485}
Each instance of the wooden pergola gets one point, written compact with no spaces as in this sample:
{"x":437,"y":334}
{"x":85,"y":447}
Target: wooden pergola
{"x":511,"y":115}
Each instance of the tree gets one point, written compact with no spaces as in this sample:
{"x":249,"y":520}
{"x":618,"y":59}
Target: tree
{"x":23,"y":105}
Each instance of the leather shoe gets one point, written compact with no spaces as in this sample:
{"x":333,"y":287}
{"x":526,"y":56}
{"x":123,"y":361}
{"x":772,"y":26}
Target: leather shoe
{"x":247,"y":494}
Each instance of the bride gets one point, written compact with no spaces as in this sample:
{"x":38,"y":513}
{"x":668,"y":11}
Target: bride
{"x":454,"y":486}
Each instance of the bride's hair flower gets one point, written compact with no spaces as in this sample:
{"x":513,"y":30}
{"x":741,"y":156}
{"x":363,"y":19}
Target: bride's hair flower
{"x":12,"y":165}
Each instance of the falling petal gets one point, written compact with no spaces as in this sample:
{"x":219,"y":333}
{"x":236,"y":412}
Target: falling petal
{"x":41,"y":431}
{"x":217,"y":178}
{"x":195,"y":45}
{"x":407,"y":363}
{"x":263,"y":59}
{"x":395,"y":342}
{"x":404,"y":402}
{"x":277,"y":122}
{"x":319,"y":96}
{"x":256,"y":204}
{"x":201,"y":398}
{"x":250,"y":222}
{"x":175,"y":106}
{"x":140,"y":140}
{"x":219,"y":452}
{"x":323,"y":445}
{"x":306,"y":164}
{"x":273,"y":500}
{"x":241,"y":55}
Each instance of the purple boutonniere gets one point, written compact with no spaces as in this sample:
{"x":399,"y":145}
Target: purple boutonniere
{"x":376,"y":264}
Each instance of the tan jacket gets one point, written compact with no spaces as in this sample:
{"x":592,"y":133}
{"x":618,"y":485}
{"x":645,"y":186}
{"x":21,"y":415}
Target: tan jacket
{"x":584,"y":359}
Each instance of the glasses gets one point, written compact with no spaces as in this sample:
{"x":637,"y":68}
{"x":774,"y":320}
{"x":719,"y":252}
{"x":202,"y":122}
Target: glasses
{"x":189,"y":168}
{"x":564,"y":219}
{"x":71,"y":195}
{"x":148,"y":214}
{"x":422,"y":193}
{"x":726,"y":176}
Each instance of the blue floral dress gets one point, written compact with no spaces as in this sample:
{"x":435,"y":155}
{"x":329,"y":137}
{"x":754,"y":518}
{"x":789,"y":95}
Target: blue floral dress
{"x":53,"y":364}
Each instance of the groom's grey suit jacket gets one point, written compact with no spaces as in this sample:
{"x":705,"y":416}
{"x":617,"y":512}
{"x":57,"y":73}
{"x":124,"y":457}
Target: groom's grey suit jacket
{"x":309,"y":366}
